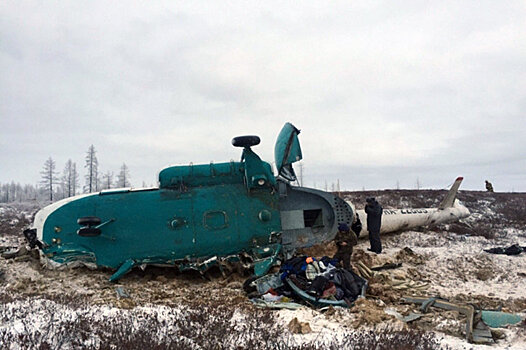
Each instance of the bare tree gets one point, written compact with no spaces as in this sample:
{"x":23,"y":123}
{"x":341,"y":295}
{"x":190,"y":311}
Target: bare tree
{"x":123,"y":179}
{"x":16,"y":192}
{"x":70,"y":179}
{"x":49,"y":177}
{"x":98,"y":181}
{"x":92,"y":165}
{"x":107,"y":180}
{"x":30,"y":192}
{"x":74,"y":179}
{"x":4,"y":190}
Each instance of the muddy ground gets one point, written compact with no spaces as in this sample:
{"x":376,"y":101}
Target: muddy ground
{"x":446,"y":261}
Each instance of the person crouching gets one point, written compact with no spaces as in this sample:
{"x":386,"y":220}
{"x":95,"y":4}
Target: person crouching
{"x":345,"y":241}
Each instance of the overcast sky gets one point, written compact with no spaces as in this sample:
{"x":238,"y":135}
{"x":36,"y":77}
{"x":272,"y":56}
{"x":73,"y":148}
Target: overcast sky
{"x":382,"y":91}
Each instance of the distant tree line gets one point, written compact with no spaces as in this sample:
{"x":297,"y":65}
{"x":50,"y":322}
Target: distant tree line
{"x":15,"y":192}
{"x":54,"y":187}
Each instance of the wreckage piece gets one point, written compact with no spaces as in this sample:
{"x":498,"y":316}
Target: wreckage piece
{"x":395,"y":220}
{"x":10,"y":252}
{"x":275,"y":305}
{"x":498,"y":319}
{"x":476,"y":330}
{"x":386,"y":266}
{"x":363,"y":270}
{"x":413,"y":316}
{"x":197,"y":214}
{"x":200,"y":212}
{"x":313,"y":301}
{"x":263,"y":284}
{"x":320,"y":302}
{"x":514,"y":249}
{"x":121,"y":293}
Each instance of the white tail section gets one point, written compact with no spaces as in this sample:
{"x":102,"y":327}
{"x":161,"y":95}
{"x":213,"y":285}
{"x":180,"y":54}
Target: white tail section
{"x":451,"y":195}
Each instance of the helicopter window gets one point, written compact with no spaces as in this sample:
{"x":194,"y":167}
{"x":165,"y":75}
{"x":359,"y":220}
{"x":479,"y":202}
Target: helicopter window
{"x":215,"y":220}
{"x":313,"y":218}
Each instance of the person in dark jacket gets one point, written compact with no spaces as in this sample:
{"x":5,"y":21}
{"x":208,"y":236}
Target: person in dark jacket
{"x":345,"y":241}
{"x":356,"y":226}
{"x":374,"y":221}
{"x":489,"y":186}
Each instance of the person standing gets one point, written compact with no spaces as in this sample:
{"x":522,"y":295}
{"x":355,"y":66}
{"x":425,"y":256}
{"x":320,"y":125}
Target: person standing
{"x":489,"y":186}
{"x":374,"y":222}
{"x":356,"y":226}
{"x":345,"y":241}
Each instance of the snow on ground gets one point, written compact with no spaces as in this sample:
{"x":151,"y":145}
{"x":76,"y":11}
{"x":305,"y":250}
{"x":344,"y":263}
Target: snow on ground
{"x":457,"y":264}
{"x":449,"y":258}
{"x":456,"y":268}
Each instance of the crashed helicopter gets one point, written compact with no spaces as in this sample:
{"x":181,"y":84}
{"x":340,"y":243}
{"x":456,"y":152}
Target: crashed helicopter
{"x":204,"y":215}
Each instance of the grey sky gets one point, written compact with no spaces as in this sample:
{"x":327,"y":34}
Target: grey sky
{"x":382,"y":91}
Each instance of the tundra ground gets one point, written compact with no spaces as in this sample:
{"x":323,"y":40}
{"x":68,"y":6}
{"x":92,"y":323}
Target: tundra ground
{"x":79,"y":308}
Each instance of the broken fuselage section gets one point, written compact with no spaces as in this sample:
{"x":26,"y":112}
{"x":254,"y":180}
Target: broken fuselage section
{"x":199,"y":215}
{"x":396,"y":220}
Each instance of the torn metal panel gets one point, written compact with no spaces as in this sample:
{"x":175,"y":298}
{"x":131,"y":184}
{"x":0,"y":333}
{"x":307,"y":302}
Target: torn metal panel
{"x":263,"y":284}
{"x":412,"y":316}
{"x":261,"y":259}
{"x":275,"y":305}
{"x":319,"y":302}
{"x":497,"y":319}
{"x":476,"y":330}
{"x":287,"y":151}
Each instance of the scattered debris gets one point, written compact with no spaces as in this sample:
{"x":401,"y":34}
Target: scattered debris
{"x":13,"y":252}
{"x":386,"y":266}
{"x":121,"y":293}
{"x":514,"y":249}
{"x":498,"y":319}
{"x":263,"y":284}
{"x":368,"y":312}
{"x":407,"y":255}
{"x":298,"y":327}
{"x":454,"y":266}
{"x":364,"y":270}
{"x":275,"y":305}
{"x":409,"y":318}
{"x":316,"y":282}
{"x":477,"y":330}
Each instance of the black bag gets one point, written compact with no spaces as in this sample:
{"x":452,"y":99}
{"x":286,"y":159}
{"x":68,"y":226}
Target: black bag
{"x":318,"y":286}
{"x":350,"y":284}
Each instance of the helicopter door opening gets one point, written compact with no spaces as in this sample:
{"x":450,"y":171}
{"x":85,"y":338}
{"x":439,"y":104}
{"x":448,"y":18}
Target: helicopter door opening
{"x":300,"y":219}
{"x":313,"y":218}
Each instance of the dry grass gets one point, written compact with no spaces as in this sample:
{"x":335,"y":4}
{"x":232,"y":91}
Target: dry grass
{"x":210,"y":326}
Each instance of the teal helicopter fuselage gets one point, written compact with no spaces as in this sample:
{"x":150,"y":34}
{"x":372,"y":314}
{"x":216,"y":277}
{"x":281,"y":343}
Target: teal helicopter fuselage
{"x":198,"y":212}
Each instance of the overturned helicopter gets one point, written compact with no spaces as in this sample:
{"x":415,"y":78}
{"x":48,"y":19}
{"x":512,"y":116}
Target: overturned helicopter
{"x":198,"y":216}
